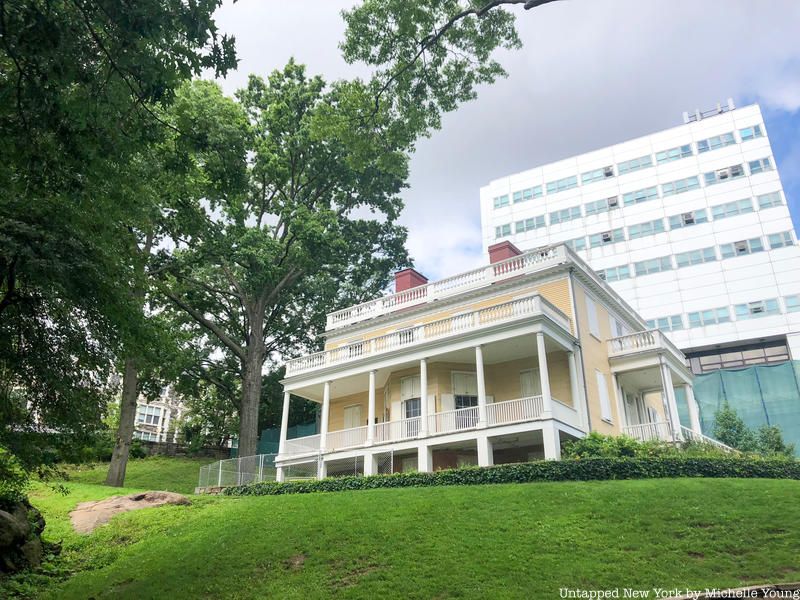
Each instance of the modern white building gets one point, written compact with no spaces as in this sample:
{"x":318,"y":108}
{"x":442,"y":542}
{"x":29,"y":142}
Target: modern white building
{"x":689,"y":225}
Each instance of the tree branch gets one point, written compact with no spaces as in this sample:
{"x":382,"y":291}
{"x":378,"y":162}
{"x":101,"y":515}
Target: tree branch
{"x":210,"y":325}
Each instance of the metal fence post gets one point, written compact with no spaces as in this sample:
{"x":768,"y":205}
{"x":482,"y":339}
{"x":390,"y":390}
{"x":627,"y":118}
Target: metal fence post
{"x":260,"y":468}
{"x":219,"y":479}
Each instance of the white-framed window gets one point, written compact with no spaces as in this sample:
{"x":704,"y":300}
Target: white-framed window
{"x":760,"y":166}
{"x":792,"y":303}
{"x":679,"y":186}
{"x":644,"y":229}
{"x":731,"y":209}
{"x":607,"y":237}
{"x":602,"y":392}
{"x":779,"y":240}
{"x":643,"y":195}
{"x":712,"y":316}
{"x":560,"y":185}
{"x":149,"y":415}
{"x":688,"y":219}
{"x":597,"y":174}
{"x":502,"y":230}
{"x":653,"y":265}
{"x":617,"y":328}
{"x":770,"y":200}
{"x":577,"y":243}
{"x":465,"y":389}
{"x":591,"y":313}
{"x":695,"y":257}
{"x":501,"y":201}
{"x":528,"y":194}
{"x":671,"y":323}
{"x":600,"y":206}
{"x":718,"y":141}
{"x":529,"y":224}
{"x":722,"y":175}
{"x":760,"y":308}
{"x":146,"y":436}
{"x":635,"y":164}
{"x":566,"y":214}
{"x":750,"y":133}
{"x":741,"y":248}
{"x":675,"y":153}
{"x":615,"y":273}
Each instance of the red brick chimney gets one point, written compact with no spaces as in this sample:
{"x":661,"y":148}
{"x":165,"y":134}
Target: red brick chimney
{"x":407,"y":279}
{"x":502,"y":251}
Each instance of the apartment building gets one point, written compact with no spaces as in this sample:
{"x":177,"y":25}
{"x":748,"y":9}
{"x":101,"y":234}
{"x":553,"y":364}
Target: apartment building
{"x":499,"y":364}
{"x":156,"y":420}
{"x":689,"y":225}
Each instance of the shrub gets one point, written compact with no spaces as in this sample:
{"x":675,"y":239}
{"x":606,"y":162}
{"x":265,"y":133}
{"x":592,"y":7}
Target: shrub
{"x":13,"y":479}
{"x":731,"y":430}
{"x":597,"y":445}
{"x":769,"y":441}
{"x":592,"y":469}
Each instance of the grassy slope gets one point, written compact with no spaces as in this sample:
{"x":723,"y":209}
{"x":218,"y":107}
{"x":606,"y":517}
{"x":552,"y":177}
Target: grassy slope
{"x":156,"y":473}
{"x":504,"y":541}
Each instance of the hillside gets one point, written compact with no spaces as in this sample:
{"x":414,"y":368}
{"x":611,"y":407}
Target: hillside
{"x":501,"y":541}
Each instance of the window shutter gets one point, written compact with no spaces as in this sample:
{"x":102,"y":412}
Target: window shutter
{"x":602,"y":390}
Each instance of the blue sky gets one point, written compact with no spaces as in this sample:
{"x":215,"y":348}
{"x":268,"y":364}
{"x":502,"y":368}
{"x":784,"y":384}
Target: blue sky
{"x":783,"y":128}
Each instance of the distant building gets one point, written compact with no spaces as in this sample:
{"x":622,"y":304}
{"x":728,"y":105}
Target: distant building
{"x":689,"y":225}
{"x":156,"y":421}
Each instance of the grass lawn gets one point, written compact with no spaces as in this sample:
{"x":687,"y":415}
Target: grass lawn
{"x":155,"y":473}
{"x":494,"y":541}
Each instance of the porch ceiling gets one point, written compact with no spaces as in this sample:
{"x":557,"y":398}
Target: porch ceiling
{"x":645,"y":379}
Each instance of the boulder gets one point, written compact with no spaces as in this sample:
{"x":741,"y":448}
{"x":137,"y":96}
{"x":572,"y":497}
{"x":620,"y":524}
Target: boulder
{"x":20,"y":542}
{"x":89,"y":515}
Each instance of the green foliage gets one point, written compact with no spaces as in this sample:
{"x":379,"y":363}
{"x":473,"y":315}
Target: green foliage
{"x":730,"y":429}
{"x":597,"y":445}
{"x":14,"y":480}
{"x":593,"y":469}
{"x":82,"y":85}
{"x":769,"y":441}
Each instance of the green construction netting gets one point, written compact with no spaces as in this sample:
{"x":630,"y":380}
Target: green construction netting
{"x":761,"y":395}
{"x":270,"y":438}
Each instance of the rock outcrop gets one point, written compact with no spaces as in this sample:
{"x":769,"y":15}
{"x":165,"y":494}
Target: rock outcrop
{"x":21,"y":527}
{"x":88,"y":515}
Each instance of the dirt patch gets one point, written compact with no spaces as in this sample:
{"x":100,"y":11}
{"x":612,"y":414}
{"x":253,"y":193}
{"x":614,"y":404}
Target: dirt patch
{"x":350,"y":575}
{"x":89,"y":515}
{"x":295,"y":563}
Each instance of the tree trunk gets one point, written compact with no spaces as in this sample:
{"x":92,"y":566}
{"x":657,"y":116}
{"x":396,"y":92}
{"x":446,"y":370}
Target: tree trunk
{"x":127,"y":415}
{"x":248,"y":412}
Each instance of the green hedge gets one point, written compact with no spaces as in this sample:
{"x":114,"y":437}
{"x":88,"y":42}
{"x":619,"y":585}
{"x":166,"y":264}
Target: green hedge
{"x":592,"y":469}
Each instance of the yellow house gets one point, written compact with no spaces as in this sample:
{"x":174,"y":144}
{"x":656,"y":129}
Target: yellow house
{"x":496,"y":365}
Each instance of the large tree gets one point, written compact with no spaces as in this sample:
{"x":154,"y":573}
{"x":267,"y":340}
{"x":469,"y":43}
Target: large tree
{"x":314,"y":228}
{"x":81,"y":86}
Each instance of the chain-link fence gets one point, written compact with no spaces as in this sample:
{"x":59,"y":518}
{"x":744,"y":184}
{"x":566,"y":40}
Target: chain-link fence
{"x":303,"y":470}
{"x":385,"y":463}
{"x":238,"y":471}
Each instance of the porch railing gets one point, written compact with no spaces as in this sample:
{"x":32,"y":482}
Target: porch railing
{"x":528,"y":262}
{"x":346,"y":438}
{"x":453,"y":420}
{"x":303,"y":445}
{"x":647,"y":432}
{"x":693,"y":436}
{"x":395,"y":431}
{"x":514,"y":411}
{"x":641,"y":341}
{"x":450,"y":326}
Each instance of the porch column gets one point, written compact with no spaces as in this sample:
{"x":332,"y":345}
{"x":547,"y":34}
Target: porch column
{"x":694,"y":410}
{"x":481,"y":380}
{"x":284,"y":423}
{"x":574,"y":389}
{"x":424,"y":459}
{"x":672,"y":405}
{"x":544,"y":377}
{"x":485,"y":452}
{"x":423,"y":397}
{"x":371,"y":409}
{"x":370,"y":464}
{"x":551,"y":442}
{"x":326,"y":410}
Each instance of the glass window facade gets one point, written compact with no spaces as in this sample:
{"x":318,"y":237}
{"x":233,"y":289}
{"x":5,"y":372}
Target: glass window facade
{"x":718,"y":141}
{"x":643,"y":195}
{"x":688,"y":219}
{"x":654,"y":265}
{"x":680,"y":186}
{"x":779,"y":240}
{"x":750,"y":133}
{"x":607,"y":237}
{"x":675,"y":153}
{"x":712,"y":316}
{"x":645,"y":229}
{"x":560,"y":185}
{"x":529,"y":224}
{"x":695,"y":257}
{"x":731,"y":209}
{"x":567,"y":214}
{"x":741,"y":248}
{"x":770,"y":200}
{"x":635,"y":164}
{"x":761,"y":165}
